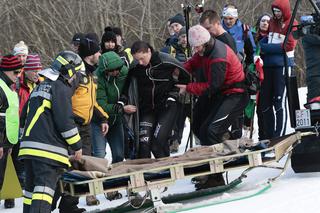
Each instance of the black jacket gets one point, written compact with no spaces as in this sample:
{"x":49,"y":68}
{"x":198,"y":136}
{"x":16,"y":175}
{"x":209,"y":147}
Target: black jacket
{"x":155,"y":81}
{"x":3,"y":107}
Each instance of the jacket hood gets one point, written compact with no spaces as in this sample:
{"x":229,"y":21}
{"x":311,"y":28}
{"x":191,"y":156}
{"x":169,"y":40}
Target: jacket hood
{"x":109,"y":61}
{"x":284,"y":6}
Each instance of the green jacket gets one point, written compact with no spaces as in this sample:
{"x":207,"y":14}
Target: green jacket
{"x":109,"y":87}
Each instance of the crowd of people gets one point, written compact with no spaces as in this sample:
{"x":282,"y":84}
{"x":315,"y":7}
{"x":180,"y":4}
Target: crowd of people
{"x":83,"y":100}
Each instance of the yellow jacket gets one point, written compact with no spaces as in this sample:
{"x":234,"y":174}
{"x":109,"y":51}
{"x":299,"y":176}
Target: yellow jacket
{"x":84,"y":103}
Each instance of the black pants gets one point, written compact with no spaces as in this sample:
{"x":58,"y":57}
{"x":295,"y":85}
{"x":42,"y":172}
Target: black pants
{"x":213,"y":117}
{"x":18,"y":164}
{"x":183,"y":112}
{"x":3,"y":165}
{"x":40,"y":184}
{"x":273,"y":102}
{"x":155,"y":129}
{"x":68,"y":202}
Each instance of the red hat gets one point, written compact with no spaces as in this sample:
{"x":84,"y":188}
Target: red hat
{"x":10,"y":63}
{"x":32,"y":63}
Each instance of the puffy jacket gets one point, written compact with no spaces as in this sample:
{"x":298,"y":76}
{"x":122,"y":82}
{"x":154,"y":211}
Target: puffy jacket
{"x":50,"y":127}
{"x":109,"y":87}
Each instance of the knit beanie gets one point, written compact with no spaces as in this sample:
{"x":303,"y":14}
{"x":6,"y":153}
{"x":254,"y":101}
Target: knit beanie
{"x":108,"y":35}
{"x":20,"y":48}
{"x":182,"y":31}
{"x":93,"y":36}
{"x":10,"y":63}
{"x":177,"y":19}
{"x":117,"y":31}
{"x":198,"y":35}
{"x":88,"y":46}
{"x":32,"y":63}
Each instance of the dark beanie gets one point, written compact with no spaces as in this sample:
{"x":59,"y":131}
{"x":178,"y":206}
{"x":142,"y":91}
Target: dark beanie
{"x":177,"y":19}
{"x":182,"y":31}
{"x":108,"y":35}
{"x":77,"y":37}
{"x":93,"y":36}
{"x":88,"y":46}
{"x":10,"y":63}
{"x":117,"y":31}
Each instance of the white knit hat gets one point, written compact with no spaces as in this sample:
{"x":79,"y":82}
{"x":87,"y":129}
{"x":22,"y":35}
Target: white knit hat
{"x":198,"y":35}
{"x":20,"y":48}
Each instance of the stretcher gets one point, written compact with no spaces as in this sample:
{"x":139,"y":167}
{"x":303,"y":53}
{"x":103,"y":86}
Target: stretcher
{"x":154,"y":180}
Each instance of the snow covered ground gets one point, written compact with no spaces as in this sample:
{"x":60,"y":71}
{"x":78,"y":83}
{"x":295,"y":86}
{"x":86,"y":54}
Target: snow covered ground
{"x":292,"y":193}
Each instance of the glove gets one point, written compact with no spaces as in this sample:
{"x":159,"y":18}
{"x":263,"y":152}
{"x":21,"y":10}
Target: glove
{"x":118,"y":107}
{"x":170,"y":101}
{"x":257,"y":58}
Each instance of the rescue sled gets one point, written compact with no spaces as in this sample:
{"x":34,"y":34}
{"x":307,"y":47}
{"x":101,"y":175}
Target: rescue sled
{"x":153,"y":180}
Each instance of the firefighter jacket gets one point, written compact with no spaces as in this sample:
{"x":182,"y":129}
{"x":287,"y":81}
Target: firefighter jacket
{"x":49,"y":126}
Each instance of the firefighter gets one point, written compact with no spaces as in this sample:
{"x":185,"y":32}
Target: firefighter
{"x":49,"y":130}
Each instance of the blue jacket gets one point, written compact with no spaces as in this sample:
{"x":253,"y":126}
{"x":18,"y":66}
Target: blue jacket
{"x":237,"y":33}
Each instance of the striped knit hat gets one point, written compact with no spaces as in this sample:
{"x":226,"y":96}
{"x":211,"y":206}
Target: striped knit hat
{"x":10,"y":63}
{"x":32,"y":63}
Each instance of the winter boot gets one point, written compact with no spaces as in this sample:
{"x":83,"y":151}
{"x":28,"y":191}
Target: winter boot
{"x":174,"y":147}
{"x":200,"y":179}
{"x":92,"y":200}
{"x":8,"y":203}
{"x":213,"y":180}
{"x":113,"y":195}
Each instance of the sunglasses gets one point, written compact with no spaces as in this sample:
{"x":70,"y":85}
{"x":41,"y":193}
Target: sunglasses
{"x":16,"y":72}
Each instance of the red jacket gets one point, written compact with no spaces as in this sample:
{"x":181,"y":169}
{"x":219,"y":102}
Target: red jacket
{"x":280,"y":28}
{"x":215,"y":72}
{"x":23,"y":91}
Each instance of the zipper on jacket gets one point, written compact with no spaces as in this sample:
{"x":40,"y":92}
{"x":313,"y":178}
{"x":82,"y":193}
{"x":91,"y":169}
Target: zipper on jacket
{"x":92,"y":98}
{"x":153,"y":88}
{"x":118,"y":94}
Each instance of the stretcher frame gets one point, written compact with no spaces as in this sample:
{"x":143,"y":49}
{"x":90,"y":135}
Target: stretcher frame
{"x":137,"y":182}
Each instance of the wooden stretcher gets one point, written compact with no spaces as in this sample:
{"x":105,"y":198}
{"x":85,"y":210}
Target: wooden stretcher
{"x":154,"y":180}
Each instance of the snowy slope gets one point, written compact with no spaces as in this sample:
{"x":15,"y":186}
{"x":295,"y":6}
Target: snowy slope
{"x":293,"y":193}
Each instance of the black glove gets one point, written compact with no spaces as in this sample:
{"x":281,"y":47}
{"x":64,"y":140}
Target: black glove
{"x":118,"y":107}
{"x":170,"y":101}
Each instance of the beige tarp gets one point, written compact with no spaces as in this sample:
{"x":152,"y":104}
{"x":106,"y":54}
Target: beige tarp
{"x":96,"y":167}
